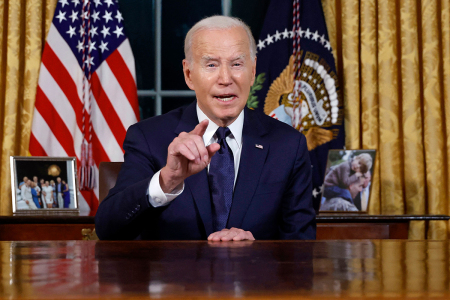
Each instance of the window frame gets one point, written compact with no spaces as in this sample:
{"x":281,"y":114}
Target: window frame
{"x":158,"y":92}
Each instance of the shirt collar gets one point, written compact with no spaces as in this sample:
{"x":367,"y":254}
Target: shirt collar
{"x":235,"y":127}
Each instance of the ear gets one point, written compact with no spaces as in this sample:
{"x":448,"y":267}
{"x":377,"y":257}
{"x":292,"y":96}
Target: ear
{"x":187,"y":74}
{"x":253,"y":72}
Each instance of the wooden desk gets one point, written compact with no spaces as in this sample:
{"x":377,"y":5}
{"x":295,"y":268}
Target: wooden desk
{"x":250,"y":270}
{"x":43,"y":227}
{"x":329,"y":226}
{"x":362,"y":226}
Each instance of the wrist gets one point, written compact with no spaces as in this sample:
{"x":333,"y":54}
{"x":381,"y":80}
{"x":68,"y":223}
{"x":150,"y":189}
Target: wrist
{"x":168,"y":181}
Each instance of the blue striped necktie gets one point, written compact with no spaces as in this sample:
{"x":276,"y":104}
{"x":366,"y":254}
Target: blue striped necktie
{"x":221,"y":180}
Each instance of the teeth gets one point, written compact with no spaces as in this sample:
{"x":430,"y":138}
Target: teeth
{"x":225,"y":99}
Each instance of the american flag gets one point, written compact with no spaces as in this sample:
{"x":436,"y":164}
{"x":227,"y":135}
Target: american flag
{"x":86,"y":96}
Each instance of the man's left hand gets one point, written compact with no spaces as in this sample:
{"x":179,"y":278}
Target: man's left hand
{"x":232,"y":234}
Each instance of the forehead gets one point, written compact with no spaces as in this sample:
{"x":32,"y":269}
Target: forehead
{"x":220,"y":42}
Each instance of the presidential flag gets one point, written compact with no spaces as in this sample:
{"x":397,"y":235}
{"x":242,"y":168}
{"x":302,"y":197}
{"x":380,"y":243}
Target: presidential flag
{"x":86,"y":96}
{"x":296,"y":79}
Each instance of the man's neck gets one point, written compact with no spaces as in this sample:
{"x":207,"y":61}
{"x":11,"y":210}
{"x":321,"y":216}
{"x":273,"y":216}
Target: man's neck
{"x":236,"y":126}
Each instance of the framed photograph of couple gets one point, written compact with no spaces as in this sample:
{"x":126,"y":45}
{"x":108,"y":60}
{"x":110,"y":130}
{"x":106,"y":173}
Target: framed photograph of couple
{"x":44,"y":185}
{"x":347,"y":184}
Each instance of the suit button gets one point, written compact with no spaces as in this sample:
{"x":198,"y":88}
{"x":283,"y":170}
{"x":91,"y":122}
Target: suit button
{"x":138,"y":206}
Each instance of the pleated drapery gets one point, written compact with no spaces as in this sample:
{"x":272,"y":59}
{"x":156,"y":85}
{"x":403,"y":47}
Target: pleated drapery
{"x":24,"y":26}
{"x":393,"y":61}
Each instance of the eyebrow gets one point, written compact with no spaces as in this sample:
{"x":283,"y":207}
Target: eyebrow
{"x":210,"y":58}
{"x":239,"y":57}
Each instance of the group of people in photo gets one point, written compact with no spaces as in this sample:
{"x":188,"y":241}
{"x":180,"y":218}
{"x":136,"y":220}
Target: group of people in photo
{"x":36,"y":194}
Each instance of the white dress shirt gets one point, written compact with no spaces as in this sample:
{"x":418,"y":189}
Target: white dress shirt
{"x":158,"y":198}
{"x":26,"y":193}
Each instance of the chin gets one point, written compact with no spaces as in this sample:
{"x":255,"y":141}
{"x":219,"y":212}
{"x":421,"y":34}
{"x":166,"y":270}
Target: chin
{"x":231,"y":114}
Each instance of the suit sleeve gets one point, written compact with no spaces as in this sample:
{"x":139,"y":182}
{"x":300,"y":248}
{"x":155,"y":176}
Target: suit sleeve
{"x":121,"y":213}
{"x":298,"y":217}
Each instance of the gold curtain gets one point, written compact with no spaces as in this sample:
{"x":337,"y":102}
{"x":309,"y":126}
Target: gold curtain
{"x":393,"y":59}
{"x":24,"y":25}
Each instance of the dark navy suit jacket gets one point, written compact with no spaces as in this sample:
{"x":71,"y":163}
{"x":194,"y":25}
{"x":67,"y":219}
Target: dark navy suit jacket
{"x":272,"y":195}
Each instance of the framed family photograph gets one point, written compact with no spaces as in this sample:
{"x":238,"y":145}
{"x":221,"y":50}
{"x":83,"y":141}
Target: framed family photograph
{"x":44,"y":184}
{"x":347,"y":184}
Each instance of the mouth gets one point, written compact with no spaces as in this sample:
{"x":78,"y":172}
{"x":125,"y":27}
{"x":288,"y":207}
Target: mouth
{"x":225,"y":98}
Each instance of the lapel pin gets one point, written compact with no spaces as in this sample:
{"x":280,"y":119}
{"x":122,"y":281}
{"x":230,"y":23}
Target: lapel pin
{"x":258,"y":146}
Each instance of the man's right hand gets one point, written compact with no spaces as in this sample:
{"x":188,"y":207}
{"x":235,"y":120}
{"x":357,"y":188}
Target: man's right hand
{"x":186,"y":156}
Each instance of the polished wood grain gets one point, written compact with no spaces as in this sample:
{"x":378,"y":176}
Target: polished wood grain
{"x":352,"y":231}
{"x":44,"y":227}
{"x":42,"y":232}
{"x":250,"y":270}
{"x":329,"y":226}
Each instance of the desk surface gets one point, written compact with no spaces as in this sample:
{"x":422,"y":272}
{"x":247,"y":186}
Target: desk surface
{"x":321,"y":218}
{"x":329,"y":226}
{"x":252,"y":270}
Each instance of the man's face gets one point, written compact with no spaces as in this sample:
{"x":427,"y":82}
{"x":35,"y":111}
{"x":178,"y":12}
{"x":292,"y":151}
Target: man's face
{"x":35,"y":179}
{"x":221,"y":72}
{"x":58,"y":180}
{"x":367,"y":180}
{"x":356,"y":188}
{"x":29,"y":182}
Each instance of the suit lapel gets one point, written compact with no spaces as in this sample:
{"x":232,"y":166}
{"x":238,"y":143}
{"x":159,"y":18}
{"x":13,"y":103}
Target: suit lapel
{"x":254,"y":152}
{"x":188,"y":119}
{"x":199,"y":188}
{"x":197,"y":184}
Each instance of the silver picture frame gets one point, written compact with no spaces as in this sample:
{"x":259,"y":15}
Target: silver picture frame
{"x":27,"y":173}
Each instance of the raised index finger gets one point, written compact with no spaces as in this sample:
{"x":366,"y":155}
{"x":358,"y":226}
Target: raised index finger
{"x":200,"y":128}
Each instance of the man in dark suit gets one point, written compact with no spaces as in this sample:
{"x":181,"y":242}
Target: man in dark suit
{"x":59,"y":201}
{"x":214,"y":170}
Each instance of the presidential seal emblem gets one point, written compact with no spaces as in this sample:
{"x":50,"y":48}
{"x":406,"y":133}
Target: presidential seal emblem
{"x":319,"y":104}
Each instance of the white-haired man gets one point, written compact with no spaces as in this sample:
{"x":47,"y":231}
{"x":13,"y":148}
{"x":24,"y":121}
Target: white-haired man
{"x":214,"y":170}
{"x":27,"y":196}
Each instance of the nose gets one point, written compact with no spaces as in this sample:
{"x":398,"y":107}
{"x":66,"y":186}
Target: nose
{"x":225,"y":75}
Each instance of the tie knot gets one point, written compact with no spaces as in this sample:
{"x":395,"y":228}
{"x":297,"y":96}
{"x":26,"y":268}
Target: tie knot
{"x":222,"y":133}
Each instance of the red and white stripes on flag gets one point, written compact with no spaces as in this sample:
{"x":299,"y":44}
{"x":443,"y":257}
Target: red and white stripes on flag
{"x":110,"y":104}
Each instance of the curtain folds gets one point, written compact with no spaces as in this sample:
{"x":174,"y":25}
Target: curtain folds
{"x":24,"y":26}
{"x":393,"y":60}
